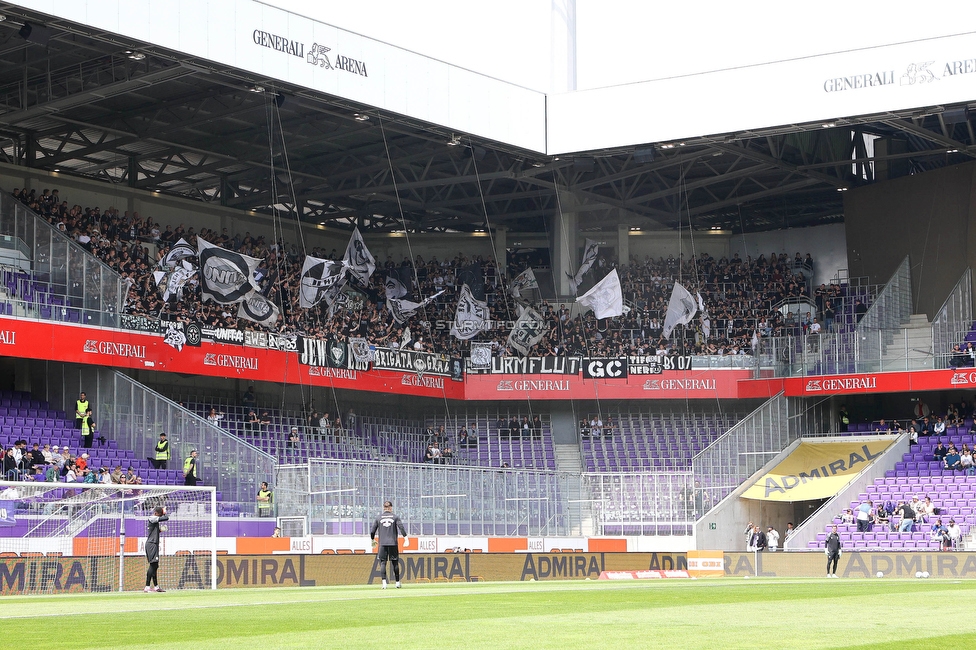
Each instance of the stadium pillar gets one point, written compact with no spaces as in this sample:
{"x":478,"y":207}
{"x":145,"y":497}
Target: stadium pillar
{"x":501,"y":246}
{"x":623,"y":244}
{"x":563,"y":242}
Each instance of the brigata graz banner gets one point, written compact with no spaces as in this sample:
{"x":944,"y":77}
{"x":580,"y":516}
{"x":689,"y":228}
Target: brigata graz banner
{"x":422,"y":363}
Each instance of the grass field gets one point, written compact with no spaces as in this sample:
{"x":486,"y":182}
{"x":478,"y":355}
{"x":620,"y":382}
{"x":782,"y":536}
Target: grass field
{"x":714,"y":613}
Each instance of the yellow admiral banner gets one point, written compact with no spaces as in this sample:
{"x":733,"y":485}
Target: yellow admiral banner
{"x":816,"y":470}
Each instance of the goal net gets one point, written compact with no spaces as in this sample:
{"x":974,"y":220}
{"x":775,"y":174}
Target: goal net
{"x":76,"y":537}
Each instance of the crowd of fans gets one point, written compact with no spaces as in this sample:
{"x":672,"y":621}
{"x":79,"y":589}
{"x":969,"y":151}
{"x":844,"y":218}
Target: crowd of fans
{"x":740,"y":295}
{"x":59,"y":464}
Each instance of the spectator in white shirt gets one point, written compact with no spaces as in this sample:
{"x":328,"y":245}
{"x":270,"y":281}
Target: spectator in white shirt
{"x":955,"y":533}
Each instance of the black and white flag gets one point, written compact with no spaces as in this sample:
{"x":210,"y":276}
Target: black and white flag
{"x":480,"y":356}
{"x":179,"y":252}
{"x":358,"y":259}
{"x":529,"y":329}
{"x":681,"y":309}
{"x":362,"y":352}
{"x":706,"y":322}
{"x":590,"y":252}
{"x":525,"y":281}
{"x":225,"y":276}
{"x":397,"y":283}
{"x":170,"y":283}
{"x":605,"y":297}
{"x":318,"y":278}
{"x":470,"y":317}
{"x":258,"y":309}
{"x":402,"y":309}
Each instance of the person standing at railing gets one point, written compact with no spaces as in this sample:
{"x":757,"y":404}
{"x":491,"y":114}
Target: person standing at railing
{"x":82,"y":408}
{"x":190,"y":469}
{"x":87,"y":430}
{"x":162,"y":453}
{"x":264,"y":499}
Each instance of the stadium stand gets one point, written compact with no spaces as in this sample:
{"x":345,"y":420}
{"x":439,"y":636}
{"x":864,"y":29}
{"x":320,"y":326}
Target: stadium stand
{"x":919,"y":474}
{"x":36,"y":422}
{"x":744,"y":296}
{"x":653,"y":441}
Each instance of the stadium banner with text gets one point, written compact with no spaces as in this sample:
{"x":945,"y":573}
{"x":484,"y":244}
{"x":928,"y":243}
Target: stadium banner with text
{"x":75,"y":574}
{"x":876,"y":382}
{"x":816,"y":470}
{"x":137,"y":350}
{"x":100,"y":574}
{"x":359,"y":569}
{"x":687,"y":384}
{"x":859,"y":564}
{"x":561,"y":365}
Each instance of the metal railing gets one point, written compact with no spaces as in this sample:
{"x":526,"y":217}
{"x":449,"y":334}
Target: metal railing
{"x":890,"y":310}
{"x":65,"y":281}
{"x":954,"y":320}
{"x":642,"y":503}
{"x":134,"y":415}
{"x":341,"y":497}
{"x":736,"y":455}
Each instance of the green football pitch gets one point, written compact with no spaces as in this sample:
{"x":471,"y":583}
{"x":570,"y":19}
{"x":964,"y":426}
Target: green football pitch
{"x":713,"y":613}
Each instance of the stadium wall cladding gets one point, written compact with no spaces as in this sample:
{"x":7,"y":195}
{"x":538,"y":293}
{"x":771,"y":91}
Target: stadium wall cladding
{"x":67,"y":574}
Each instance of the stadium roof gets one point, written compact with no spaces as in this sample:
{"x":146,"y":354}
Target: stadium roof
{"x":99,"y":105}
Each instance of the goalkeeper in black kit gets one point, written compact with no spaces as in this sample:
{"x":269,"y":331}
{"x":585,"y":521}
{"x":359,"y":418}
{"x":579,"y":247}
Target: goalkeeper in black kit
{"x":388,"y":525}
{"x":152,"y":548}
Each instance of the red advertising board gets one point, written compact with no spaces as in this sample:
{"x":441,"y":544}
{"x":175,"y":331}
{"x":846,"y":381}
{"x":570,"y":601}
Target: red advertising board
{"x":146,"y":351}
{"x":126,"y":349}
{"x":676,"y":384}
{"x":859,"y":384}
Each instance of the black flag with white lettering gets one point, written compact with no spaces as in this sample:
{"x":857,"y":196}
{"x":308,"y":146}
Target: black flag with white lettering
{"x":225,"y":276}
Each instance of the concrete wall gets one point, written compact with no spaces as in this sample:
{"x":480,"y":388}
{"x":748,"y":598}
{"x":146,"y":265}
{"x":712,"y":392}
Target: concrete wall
{"x":827,"y":244}
{"x":733,"y":513}
{"x":928,"y":217}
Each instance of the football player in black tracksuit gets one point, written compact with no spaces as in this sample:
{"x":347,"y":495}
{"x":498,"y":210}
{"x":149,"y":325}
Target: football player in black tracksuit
{"x":152,"y":548}
{"x":388,"y":525}
{"x":832,"y":549}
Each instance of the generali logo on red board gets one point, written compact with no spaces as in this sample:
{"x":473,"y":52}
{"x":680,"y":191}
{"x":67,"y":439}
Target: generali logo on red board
{"x":963,"y":378}
{"x":848,"y":383}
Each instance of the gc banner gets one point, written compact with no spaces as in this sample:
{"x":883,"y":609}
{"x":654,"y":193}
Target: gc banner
{"x":604,"y":368}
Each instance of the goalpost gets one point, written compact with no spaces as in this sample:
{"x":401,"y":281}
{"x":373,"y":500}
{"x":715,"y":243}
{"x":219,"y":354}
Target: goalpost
{"x":79,"y":537}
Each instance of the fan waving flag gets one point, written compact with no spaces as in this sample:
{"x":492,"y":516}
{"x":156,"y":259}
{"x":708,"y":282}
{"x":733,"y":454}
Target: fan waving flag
{"x":470,"y":317}
{"x":397,"y":283}
{"x":590,"y":252}
{"x":605,"y":298}
{"x":179,"y":252}
{"x":530,"y":328}
{"x":171,"y":283}
{"x":225,"y":276}
{"x":706,"y":322}
{"x":525,"y":281}
{"x":681,"y":309}
{"x":402,"y":309}
{"x":358,"y":259}
{"x":318,"y":277}
{"x":258,"y":309}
